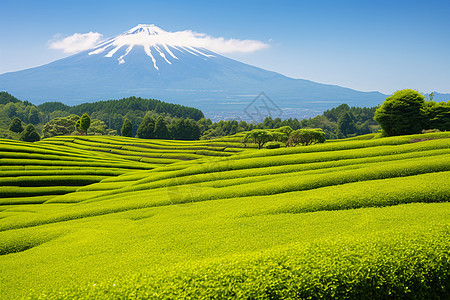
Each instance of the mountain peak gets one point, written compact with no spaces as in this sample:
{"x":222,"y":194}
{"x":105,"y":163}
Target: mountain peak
{"x":155,"y":42}
{"x":151,"y":29}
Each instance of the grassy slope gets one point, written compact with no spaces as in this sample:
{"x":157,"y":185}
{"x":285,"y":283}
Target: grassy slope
{"x":362,"y":218}
{"x":62,"y":165}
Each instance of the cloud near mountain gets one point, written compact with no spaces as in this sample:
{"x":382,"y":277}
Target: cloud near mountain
{"x":77,"y":42}
{"x":84,"y":41}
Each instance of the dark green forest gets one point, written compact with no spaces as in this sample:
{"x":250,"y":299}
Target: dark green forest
{"x":151,"y":118}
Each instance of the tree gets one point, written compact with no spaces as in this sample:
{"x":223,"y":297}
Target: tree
{"x":147,"y":128}
{"x":127,"y":128}
{"x":306,"y":137}
{"x":60,"y":126}
{"x":259,"y":137}
{"x":16,"y":125}
{"x":401,"y":113}
{"x":192,"y":130}
{"x":83,"y":123}
{"x":334,"y":113}
{"x":285,"y":129}
{"x":161,"y":130}
{"x":437,"y":115}
{"x":5,"y":98}
{"x":10,"y":109}
{"x":29,"y":134}
{"x":184,"y":129}
{"x":33,"y":115}
{"x":177,"y":128}
{"x":100,"y":128}
{"x":346,"y":125}
{"x":282,"y":134}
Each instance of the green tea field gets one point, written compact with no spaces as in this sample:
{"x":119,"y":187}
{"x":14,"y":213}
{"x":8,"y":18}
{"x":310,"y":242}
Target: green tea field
{"x":97,"y":217}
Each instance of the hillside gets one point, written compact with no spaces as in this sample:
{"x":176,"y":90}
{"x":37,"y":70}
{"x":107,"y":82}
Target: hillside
{"x":113,"y":217}
{"x":109,"y":115}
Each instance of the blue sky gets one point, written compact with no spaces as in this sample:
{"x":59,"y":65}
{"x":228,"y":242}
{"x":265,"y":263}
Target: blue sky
{"x":364,"y":45}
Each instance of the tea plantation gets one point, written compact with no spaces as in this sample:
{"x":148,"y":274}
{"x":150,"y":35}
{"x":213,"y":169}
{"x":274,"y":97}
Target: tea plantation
{"x":95,"y":217}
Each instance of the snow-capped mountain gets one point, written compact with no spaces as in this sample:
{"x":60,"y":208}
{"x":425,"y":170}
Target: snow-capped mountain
{"x":150,"y":62}
{"x":152,"y":38}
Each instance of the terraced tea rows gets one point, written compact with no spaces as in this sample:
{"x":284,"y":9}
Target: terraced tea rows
{"x":61,"y":165}
{"x":365,"y":218}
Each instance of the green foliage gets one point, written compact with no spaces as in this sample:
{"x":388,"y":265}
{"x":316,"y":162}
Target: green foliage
{"x":184,"y":129}
{"x":351,"y":219}
{"x":375,"y":266}
{"x":29,"y":134}
{"x":361,"y":123}
{"x":272,"y":145}
{"x":259,"y":137}
{"x":286,"y":130}
{"x":13,"y":191}
{"x":346,"y":125}
{"x":146,"y":129}
{"x":49,"y":107}
{"x":83,"y":123}
{"x":79,"y":161}
{"x":127,"y":128}
{"x":60,"y":126}
{"x":99,"y":128}
{"x":437,"y":115}
{"x":161,"y":130}
{"x":33,"y":115}
{"x":16,"y":125}
{"x":10,"y":109}
{"x":113,"y":112}
{"x":306,"y":137}
{"x":6,"y":98}
{"x":136,"y":103}
{"x":7,"y":134}
{"x":401,"y":113}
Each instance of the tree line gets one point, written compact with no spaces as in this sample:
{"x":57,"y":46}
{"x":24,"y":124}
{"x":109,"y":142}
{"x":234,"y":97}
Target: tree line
{"x":114,"y":112}
{"x":404,"y":112}
{"x":339,"y":122}
{"x":284,"y":136}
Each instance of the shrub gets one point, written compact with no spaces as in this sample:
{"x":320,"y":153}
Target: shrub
{"x":16,"y":125}
{"x":272,"y":145}
{"x":29,"y":134}
{"x":401,"y":113}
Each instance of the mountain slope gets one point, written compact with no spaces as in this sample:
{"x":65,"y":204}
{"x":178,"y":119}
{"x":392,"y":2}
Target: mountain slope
{"x":150,"y":62}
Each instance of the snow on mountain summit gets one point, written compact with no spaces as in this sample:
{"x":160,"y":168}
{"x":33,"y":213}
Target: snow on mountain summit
{"x":155,"y":42}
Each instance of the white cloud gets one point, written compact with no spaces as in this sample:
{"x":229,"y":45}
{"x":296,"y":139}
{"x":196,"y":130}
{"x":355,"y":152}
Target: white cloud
{"x":84,"y":41}
{"x":76,"y":42}
{"x":219,"y":45}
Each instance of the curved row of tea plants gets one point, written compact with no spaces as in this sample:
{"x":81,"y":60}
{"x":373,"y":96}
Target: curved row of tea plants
{"x":349,"y":219}
{"x":62,"y":164}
